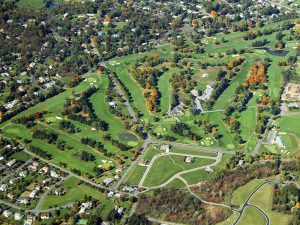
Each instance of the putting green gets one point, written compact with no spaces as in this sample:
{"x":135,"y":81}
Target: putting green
{"x":132,"y":143}
{"x":230,"y":146}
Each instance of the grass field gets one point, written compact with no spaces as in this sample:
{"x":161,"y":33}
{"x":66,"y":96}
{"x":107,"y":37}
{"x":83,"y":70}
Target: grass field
{"x":136,"y":175}
{"x":201,"y":175}
{"x":240,"y":195}
{"x":34,"y":4}
{"x":166,"y":166}
{"x":252,"y":216}
{"x":263,"y":200}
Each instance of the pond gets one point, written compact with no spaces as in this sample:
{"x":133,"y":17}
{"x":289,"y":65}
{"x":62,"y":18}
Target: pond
{"x":127,"y":137}
{"x":276,"y":52}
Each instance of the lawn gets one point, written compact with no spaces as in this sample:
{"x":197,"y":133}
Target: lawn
{"x":162,"y":169}
{"x":201,"y":175}
{"x":176,"y":183}
{"x":77,"y":192}
{"x":252,"y":216}
{"x":263,"y":200}
{"x":136,"y":175}
{"x":22,"y":156}
{"x":240,"y":195}
{"x":166,"y":166}
{"x":33,"y":4}
{"x":185,"y":150}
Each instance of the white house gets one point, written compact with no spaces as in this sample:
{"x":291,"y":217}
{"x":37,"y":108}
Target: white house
{"x":18,"y":216}
{"x":6,"y":213}
{"x":3,"y":187}
{"x":54,"y":174}
{"x":33,"y":194}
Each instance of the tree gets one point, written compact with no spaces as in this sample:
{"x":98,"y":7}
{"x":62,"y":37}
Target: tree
{"x":140,"y":219}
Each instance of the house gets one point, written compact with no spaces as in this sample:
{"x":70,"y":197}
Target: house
{"x":189,"y":159}
{"x":54,"y":174}
{"x":144,"y":162}
{"x":24,"y":201}
{"x":44,"y":170}
{"x":112,"y":104}
{"x":18,"y":216}
{"x":110,"y":194}
{"x":30,"y":219}
{"x":129,"y":189}
{"x":165,"y":148}
{"x":14,"y":180}
{"x":47,"y":180}
{"x":3,"y":187}
{"x":209,"y":169}
{"x":33,"y":193}
{"x":7,"y":213}
{"x":84,"y":206}
{"x":10,"y":196}
{"x":108,"y":181}
{"x":45,"y":216}
{"x":24,"y":173}
{"x":279,"y":142}
{"x":60,"y":191}
{"x":11,"y":163}
{"x":240,"y":162}
{"x":33,"y":166}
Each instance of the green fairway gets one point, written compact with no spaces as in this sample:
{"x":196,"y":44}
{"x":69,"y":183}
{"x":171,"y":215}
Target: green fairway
{"x":240,"y":78}
{"x":165,"y":89}
{"x":101,"y":108}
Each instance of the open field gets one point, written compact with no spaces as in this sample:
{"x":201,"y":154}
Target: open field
{"x":263,"y":200}
{"x":240,"y":195}
{"x":252,"y":216}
